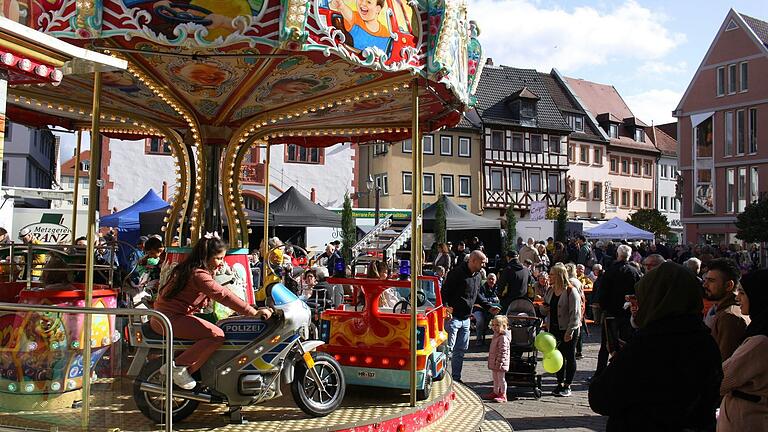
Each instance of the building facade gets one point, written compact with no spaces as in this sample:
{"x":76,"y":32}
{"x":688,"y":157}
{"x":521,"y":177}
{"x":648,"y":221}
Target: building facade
{"x":587,"y":155}
{"x":451,"y":168}
{"x":667,"y":175}
{"x":631,"y":158}
{"x":524,"y":137}
{"x":29,"y":160}
{"x":722,"y":119}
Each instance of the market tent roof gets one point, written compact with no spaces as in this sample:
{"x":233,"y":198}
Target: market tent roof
{"x":618,"y":229}
{"x":128,"y":218}
{"x":294,"y":209}
{"x":456,"y":218}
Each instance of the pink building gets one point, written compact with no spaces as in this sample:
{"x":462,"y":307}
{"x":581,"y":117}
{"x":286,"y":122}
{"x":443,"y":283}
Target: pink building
{"x":722,"y":125}
{"x":630,"y":157}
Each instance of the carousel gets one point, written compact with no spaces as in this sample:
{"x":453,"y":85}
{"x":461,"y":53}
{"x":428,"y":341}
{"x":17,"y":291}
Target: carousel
{"x":216,"y":79}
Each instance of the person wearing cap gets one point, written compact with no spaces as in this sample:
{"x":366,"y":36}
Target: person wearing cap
{"x":513,"y":281}
{"x":38,"y":260}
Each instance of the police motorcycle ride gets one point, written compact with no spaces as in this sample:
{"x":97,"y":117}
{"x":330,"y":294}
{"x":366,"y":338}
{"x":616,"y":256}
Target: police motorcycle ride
{"x":257,"y":358}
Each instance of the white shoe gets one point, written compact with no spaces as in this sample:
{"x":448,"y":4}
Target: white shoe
{"x":181,"y":377}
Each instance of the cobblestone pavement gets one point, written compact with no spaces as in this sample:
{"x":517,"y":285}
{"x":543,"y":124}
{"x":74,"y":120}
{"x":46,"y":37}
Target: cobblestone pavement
{"x":549,"y":413}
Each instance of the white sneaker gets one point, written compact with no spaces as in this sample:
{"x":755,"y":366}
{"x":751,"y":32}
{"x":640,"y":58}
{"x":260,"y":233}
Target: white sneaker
{"x":181,"y":377}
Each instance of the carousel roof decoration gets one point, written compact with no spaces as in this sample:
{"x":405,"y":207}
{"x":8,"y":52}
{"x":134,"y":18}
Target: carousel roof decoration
{"x":239,"y":73}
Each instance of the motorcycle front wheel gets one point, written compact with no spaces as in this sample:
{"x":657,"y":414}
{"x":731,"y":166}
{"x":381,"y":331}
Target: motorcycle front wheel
{"x":152,"y":405}
{"x":307,"y":392}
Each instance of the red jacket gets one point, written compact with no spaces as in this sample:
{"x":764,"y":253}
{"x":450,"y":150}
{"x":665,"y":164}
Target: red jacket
{"x":200,"y":288}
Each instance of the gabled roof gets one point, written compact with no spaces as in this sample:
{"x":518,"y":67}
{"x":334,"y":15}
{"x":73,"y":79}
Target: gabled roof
{"x":665,"y":143}
{"x":669,"y":129}
{"x":758,"y":26}
{"x":523,"y":93}
{"x":68,"y":167}
{"x":600,"y":98}
{"x":569,"y":105}
{"x":498,"y":82}
{"x":470,"y":120}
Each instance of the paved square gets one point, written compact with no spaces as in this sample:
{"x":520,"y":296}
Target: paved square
{"x":549,"y":413}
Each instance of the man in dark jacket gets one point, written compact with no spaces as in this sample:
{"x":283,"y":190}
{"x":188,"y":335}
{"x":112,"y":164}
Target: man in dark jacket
{"x":513,"y":281}
{"x":459,"y":294}
{"x":619,"y":281}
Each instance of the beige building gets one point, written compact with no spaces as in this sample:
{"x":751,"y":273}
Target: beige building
{"x":451,"y":167}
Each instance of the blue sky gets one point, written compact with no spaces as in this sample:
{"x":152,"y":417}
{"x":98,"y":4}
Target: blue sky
{"x":648,"y":49}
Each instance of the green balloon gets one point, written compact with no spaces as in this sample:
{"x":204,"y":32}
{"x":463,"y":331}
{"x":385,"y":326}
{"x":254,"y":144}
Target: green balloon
{"x":553,"y":361}
{"x":545,"y":342}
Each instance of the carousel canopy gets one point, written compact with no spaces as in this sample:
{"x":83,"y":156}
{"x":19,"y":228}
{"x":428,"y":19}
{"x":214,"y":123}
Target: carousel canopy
{"x":309,"y":72}
{"x":618,"y":229}
{"x":456,"y":218}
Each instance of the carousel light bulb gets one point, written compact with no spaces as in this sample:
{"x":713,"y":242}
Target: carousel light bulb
{"x":71,"y":384}
{"x":12,"y":387}
{"x":29,"y":388}
{"x":55,"y":386}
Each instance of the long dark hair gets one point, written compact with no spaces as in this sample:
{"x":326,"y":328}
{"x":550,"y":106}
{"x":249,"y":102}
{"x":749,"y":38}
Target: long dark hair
{"x":204,"y":250}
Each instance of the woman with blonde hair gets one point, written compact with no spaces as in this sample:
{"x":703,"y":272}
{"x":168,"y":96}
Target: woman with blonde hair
{"x":562,"y":306}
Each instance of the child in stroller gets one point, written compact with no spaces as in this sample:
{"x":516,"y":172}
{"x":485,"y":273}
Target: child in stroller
{"x":524,"y":326}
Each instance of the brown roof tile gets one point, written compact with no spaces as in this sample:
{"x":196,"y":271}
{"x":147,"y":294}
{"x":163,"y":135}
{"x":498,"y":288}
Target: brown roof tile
{"x":665,"y":143}
{"x":600,"y":98}
{"x":760,"y":28}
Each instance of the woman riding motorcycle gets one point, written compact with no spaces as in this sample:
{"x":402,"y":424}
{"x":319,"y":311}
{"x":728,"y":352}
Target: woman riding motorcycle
{"x":190,"y":288}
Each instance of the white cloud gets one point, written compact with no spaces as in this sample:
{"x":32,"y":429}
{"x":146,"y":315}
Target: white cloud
{"x":654,"y":105}
{"x":520,"y":33}
{"x":660,"y":67}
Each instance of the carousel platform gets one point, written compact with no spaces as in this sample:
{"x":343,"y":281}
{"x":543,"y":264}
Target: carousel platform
{"x":451,"y":407}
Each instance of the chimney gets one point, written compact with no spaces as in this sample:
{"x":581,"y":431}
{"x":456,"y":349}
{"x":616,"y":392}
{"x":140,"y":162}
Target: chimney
{"x":489,"y":61}
{"x":313,"y":195}
{"x":165,"y":191}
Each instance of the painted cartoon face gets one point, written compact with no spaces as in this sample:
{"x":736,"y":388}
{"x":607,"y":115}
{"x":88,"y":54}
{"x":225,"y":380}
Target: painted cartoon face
{"x":368,"y":9}
{"x":203,"y":74}
{"x":116,"y":79}
{"x":294,"y":86}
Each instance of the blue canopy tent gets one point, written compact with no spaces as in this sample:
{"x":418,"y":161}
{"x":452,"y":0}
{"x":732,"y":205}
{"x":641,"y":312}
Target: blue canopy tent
{"x":127,"y":221}
{"x":617,"y":229}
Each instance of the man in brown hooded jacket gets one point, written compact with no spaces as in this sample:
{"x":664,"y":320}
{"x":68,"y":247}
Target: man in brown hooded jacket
{"x":724,"y":318}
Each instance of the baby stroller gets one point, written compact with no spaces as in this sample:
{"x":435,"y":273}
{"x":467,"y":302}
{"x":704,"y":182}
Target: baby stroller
{"x":524,"y":326}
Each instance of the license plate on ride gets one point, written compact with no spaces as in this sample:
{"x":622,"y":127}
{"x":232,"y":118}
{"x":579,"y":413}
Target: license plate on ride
{"x":366,"y":374}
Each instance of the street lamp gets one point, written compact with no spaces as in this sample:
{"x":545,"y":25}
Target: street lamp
{"x":372,"y":186}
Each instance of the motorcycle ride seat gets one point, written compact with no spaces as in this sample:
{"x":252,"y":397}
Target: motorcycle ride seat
{"x":150,"y":336}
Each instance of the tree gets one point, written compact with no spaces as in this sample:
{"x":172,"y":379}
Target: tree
{"x":440,"y":224}
{"x":752,"y":223}
{"x":348,"y":230}
{"x":562,"y":222}
{"x":650,"y":220}
{"x":509,"y":243}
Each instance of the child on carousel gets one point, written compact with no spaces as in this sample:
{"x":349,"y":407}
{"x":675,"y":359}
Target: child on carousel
{"x":190,"y":288}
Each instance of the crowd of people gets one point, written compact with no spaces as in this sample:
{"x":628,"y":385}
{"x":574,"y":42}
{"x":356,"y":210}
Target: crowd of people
{"x":681,"y":326}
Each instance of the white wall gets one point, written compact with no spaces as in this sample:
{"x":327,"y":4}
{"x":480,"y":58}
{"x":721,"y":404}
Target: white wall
{"x":133,"y":173}
{"x":331,"y":180}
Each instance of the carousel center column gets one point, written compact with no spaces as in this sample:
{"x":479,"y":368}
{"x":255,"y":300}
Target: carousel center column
{"x":214,"y":141}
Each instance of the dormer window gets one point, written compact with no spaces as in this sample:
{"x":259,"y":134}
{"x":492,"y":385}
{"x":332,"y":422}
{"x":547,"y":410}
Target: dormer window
{"x":85,"y":166}
{"x":613,"y":130}
{"x":522,"y":104}
{"x":639,"y":135}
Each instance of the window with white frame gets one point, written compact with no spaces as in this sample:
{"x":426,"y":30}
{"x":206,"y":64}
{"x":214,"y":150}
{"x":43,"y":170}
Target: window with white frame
{"x":731,"y":79}
{"x":625,"y":198}
{"x":744,"y":76}
{"x":636,"y":197}
{"x":742,"y":189}
{"x":465,"y":149}
{"x":673,"y":204}
{"x":447,"y":183}
{"x":663,"y":203}
{"x":382,"y":183}
{"x":536,"y":143}
{"x":753,"y":181}
{"x":380,"y":148}
{"x":613,"y":130}
{"x":85,"y":165}
{"x":298,"y":154}
{"x":85,"y":200}
{"x":575,"y":121}
{"x":753,"y":130}
{"x":614,"y":168}
{"x":407,"y":182}
{"x":554,"y":144}
{"x":584,"y":154}
{"x":728,"y":133}
{"x":465,"y":186}
{"x":741,"y":128}
{"x":446,"y":145}
{"x":496,"y":179}
{"x":517,"y":142}
{"x":428,"y":141}
{"x":535,"y":182}
{"x":662,"y":171}
{"x":553,"y":183}
{"x":597,"y":191}
{"x":516,"y":179}
{"x":730,"y":190}
{"x":647,"y":168}
{"x":407,"y":147}
{"x":429,"y":184}
{"x":647,"y":200}
{"x":639,"y":135}
{"x":598,"y":156}
{"x":497,"y":140}
{"x":583,"y":190}
{"x":636,"y":167}
{"x":721,"y":81}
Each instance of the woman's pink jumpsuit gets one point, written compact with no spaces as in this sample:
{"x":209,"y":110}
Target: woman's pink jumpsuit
{"x":180,"y":310}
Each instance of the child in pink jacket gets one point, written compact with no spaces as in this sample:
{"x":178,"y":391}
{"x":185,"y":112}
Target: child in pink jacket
{"x":498,"y":358}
